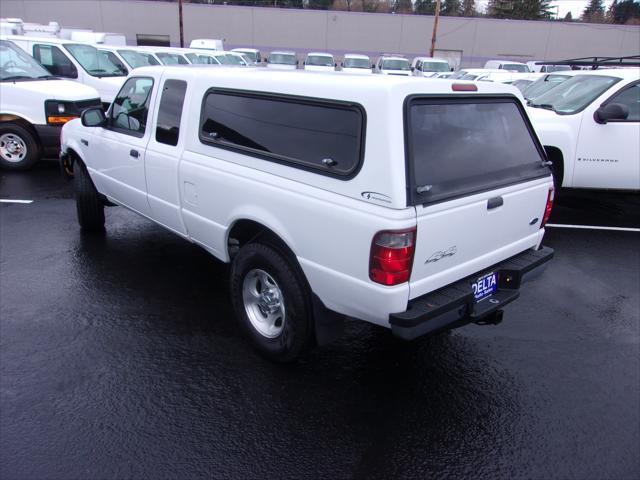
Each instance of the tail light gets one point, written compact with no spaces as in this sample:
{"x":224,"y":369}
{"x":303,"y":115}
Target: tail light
{"x":392,"y":256}
{"x":464,"y":87}
{"x":548,"y":207}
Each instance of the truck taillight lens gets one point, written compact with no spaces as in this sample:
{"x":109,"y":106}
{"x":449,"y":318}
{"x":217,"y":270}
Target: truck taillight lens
{"x":392,"y":256}
{"x":548,"y":207}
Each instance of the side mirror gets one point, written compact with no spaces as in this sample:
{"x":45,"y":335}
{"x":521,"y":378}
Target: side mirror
{"x":266,"y":59}
{"x":304,"y":63}
{"x":413,"y":69}
{"x":612,"y":111}
{"x":335,"y":64}
{"x":93,"y":117}
{"x":452,"y":69}
{"x":373,"y":65}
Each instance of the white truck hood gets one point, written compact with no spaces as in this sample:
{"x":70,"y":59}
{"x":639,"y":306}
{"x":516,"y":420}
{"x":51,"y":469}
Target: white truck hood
{"x":318,"y":68}
{"x":56,"y":90}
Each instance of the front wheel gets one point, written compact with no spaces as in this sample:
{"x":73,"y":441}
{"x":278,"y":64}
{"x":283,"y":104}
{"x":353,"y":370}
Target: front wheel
{"x":19,"y":149}
{"x":88,"y":204}
{"x":270,"y":300}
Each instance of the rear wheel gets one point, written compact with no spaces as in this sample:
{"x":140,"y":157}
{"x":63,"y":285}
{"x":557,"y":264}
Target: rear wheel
{"x":270,"y":300}
{"x":19,"y":149}
{"x":88,"y":204}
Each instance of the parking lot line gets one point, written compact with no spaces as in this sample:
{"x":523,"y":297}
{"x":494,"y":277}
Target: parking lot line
{"x":7,"y":200}
{"x":593,"y":227}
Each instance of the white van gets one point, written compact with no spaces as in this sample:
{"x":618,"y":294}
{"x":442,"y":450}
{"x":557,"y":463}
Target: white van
{"x":356,"y":63}
{"x":429,"y":66}
{"x":207,"y":44}
{"x":74,"y":61}
{"x":252,"y":53}
{"x":130,"y":57}
{"x":393,"y":65}
{"x":282,"y":60}
{"x":33,"y":107}
{"x":535,"y":66}
{"x":319,"y":62}
{"x":329,"y":196}
{"x":170,"y":55}
{"x":505,"y":65}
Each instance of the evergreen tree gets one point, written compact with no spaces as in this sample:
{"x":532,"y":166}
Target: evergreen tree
{"x":519,"y":9}
{"x":469,"y":8}
{"x":626,"y":11}
{"x":425,"y":7}
{"x":594,"y":12}
{"x":568,"y":17}
{"x":403,"y":6}
{"x":318,"y":4}
{"x":452,"y":8}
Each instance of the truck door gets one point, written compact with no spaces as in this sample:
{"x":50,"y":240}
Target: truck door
{"x":163,"y":156}
{"x":119,"y":148}
{"x":608,"y":155}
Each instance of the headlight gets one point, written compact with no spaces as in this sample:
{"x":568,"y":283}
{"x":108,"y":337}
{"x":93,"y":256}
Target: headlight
{"x":59,"y":113}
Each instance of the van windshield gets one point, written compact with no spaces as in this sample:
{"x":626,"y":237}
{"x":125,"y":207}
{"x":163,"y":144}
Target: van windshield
{"x":435,"y":67}
{"x":461,"y":146}
{"x":515,"y":67}
{"x":396,"y":64}
{"x":15,"y":64}
{"x":575,"y":94}
{"x":282,"y":59}
{"x":138,"y":59}
{"x":357,"y":63}
{"x":96,"y":63}
{"x":171,"y":58}
{"x":253,"y":56}
{"x":320,"y":61}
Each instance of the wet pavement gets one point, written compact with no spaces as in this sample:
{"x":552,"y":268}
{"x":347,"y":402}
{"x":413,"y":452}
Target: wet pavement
{"x":119,"y":358}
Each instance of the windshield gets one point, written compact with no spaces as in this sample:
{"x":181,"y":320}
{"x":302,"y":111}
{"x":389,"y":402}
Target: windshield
{"x":435,"y":67}
{"x":356,"y":63}
{"x":96,"y":63}
{"x":138,"y":59}
{"x":16,"y":64}
{"x":320,"y":61}
{"x":395,"y":64}
{"x":575,"y":94}
{"x":282,"y":59}
{"x":458,"y":74}
{"x":171,"y":58}
{"x":469,"y":76}
{"x":232,"y":59}
{"x":515,"y":67}
{"x":557,"y":68}
{"x":253,"y":56}
{"x":521,"y":84}
{"x":543,"y":85}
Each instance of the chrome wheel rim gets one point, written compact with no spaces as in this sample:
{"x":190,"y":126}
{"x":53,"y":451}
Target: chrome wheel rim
{"x":12,"y":148}
{"x":264,"y":303}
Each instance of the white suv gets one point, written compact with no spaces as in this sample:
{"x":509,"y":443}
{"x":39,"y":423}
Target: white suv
{"x":590,"y":126}
{"x":417,"y":206}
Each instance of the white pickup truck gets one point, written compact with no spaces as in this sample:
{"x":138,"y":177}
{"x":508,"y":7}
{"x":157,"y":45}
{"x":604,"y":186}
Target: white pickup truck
{"x":589,"y":125}
{"x":417,"y":206}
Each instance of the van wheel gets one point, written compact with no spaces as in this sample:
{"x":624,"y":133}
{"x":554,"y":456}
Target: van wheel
{"x":88,"y":204}
{"x":270,"y":300}
{"x":19,"y":149}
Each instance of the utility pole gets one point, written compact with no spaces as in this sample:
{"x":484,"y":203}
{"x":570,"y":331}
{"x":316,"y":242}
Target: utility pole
{"x":180,"y":21}
{"x":435,"y":29}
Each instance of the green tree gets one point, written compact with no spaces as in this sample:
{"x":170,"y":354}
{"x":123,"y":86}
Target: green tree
{"x":452,"y":8}
{"x":318,"y":4}
{"x":425,"y":7}
{"x":403,"y":6}
{"x":594,"y":12}
{"x":625,"y":11}
{"x":469,"y":8}
{"x":568,"y":17}
{"x":519,"y":9}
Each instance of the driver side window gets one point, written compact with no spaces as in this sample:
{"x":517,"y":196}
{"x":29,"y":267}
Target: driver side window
{"x":629,"y":97}
{"x":130,"y":108}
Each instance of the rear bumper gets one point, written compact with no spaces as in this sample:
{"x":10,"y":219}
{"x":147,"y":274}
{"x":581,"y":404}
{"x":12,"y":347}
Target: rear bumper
{"x":49,"y":139}
{"x":454,"y":305}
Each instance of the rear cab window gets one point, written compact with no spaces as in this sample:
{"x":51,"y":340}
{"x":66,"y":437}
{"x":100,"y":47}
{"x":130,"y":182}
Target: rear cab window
{"x":170,"y":112}
{"x":319,"y":135}
{"x":461,"y":146}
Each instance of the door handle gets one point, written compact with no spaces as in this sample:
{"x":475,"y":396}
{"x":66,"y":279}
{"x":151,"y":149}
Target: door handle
{"x":134,"y":153}
{"x":495,"y":202}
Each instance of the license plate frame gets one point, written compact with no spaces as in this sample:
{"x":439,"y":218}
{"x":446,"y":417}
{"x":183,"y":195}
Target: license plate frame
{"x":485,"y":286}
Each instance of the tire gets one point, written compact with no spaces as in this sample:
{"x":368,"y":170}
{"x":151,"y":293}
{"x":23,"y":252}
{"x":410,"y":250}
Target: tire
{"x":19,"y":149}
{"x":271,"y":302}
{"x":88,"y":204}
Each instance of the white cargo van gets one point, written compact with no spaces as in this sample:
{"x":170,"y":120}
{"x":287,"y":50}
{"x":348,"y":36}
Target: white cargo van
{"x":282,"y":60}
{"x":429,"y":67}
{"x":506,"y":65}
{"x":74,"y":61}
{"x":33,"y":107}
{"x":252,"y":53}
{"x":356,"y":63}
{"x":207,"y":44}
{"x":329,"y":196}
{"x":393,"y":65}
{"x":130,"y":57}
{"x":319,"y":62}
{"x":536,"y":66}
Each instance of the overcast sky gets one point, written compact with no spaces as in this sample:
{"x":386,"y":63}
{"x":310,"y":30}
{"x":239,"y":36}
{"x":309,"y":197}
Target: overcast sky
{"x":574,"y":6}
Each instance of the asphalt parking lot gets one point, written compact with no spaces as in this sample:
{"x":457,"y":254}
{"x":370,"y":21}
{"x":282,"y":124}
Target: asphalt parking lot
{"x":119,"y":358}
